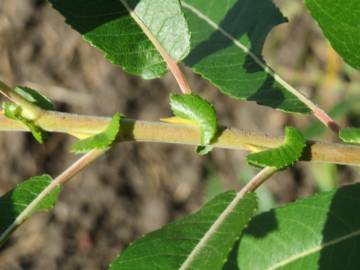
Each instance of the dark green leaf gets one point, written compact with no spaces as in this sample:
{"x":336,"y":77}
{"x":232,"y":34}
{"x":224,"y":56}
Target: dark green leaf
{"x":199,"y":241}
{"x":102,"y":140}
{"x":13,"y":203}
{"x":320,"y":232}
{"x":34,"y":97}
{"x":350,"y":135}
{"x":340,"y":23}
{"x":226,"y":47}
{"x":283,"y":156}
{"x":197,"y":109}
{"x":108,"y":26}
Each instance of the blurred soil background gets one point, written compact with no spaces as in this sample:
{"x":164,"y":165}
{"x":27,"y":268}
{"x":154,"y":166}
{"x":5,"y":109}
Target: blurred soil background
{"x":137,"y":188}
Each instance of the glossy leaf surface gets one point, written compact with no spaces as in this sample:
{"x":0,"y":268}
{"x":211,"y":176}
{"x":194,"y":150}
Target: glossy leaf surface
{"x":339,"y":20}
{"x":108,"y":26}
{"x":321,"y":232}
{"x":199,"y":241}
{"x":226,"y":49}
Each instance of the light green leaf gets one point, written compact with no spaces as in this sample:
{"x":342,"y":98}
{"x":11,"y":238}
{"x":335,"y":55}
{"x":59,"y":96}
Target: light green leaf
{"x":350,"y":135}
{"x":339,"y":20}
{"x":108,"y":26}
{"x":14,"y":203}
{"x":199,"y":241}
{"x":102,"y":140}
{"x":226,"y":49}
{"x":320,"y":232}
{"x":197,"y":109}
{"x":14,"y":112}
{"x":34,"y":97}
{"x":283,"y":156}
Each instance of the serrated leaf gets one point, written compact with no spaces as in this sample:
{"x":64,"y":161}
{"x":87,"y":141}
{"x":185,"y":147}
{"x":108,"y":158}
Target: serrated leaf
{"x":226,"y":48}
{"x":199,"y":241}
{"x":13,"y":203}
{"x":34,"y":97}
{"x":283,"y":156}
{"x":108,"y":26}
{"x":339,"y":20}
{"x":14,"y":112}
{"x":102,"y":140}
{"x":320,"y":232}
{"x":350,"y":135}
{"x":193,"y":107}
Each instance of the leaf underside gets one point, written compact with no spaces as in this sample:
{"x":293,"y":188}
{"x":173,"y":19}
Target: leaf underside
{"x":102,"y":140}
{"x":222,"y":33}
{"x":350,"y":135}
{"x":193,"y":107}
{"x":169,"y":247}
{"x":339,"y":20}
{"x":283,"y":156}
{"x":108,"y":26}
{"x":320,"y":232}
{"x":13,"y":203}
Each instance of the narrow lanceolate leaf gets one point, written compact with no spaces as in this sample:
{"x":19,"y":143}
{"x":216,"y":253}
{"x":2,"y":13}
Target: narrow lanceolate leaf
{"x":116,"y":28}
{"x":102,"y":140}
{"x":199,"y":241}
{"x":285,"y":155}
{"x":320,"y":232}
{"x":14,"y":112}
{"x":350,"y":135}
{"x":193,"y":107}
{"x":15,"y":205}
{"x":34,"y":97}
{"x":227,"y":40}
{"x":339,"y":20}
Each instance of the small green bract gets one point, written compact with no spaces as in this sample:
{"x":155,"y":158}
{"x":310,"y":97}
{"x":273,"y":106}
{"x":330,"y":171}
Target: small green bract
{"x":283,"y":156}
{"x":197,"y":109}
{"x":102,"y":140}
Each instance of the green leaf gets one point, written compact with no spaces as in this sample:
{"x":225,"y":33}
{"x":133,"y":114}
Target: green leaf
{"x":197,"y":109}
{"x":108,"y":26}
{"x":283,"y":156}
{"x":339,"y":20}
{"x":14,"y":112}
{"x":14,"y":203}
{"x":226,"y":47}
{"x":199,"y":241}
{"x":102,"y":140}
{"x":350,"y":135}
{"x":320,"y":232}
{"x":35,"y":97}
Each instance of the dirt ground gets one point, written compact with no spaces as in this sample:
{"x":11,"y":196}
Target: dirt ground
{"x":137,"y":188}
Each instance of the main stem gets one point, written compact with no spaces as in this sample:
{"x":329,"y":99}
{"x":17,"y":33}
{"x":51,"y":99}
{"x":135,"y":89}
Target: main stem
{"x":145,"y":131}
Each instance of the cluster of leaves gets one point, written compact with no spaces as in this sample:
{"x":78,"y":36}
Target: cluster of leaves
{"x":223,"y":44}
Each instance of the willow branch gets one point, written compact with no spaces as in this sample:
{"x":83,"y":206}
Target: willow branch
{"x":146,"y":131}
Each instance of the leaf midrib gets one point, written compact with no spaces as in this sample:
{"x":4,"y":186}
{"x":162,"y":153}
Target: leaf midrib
{"x":256,"y":59}
{"x":212,"y":230}
{"x":314,"y":249}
